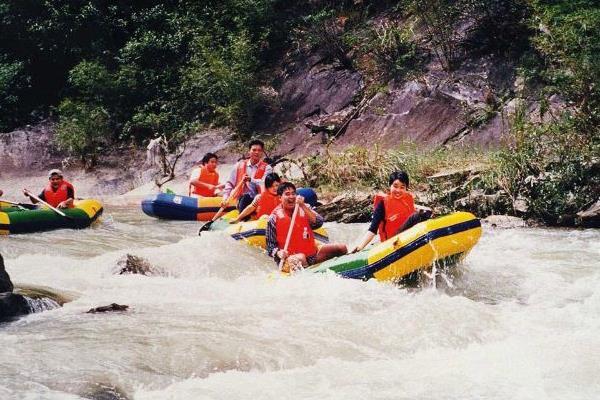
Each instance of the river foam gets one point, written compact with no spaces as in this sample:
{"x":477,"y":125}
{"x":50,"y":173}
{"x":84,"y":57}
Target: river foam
{"x":521,"y":320}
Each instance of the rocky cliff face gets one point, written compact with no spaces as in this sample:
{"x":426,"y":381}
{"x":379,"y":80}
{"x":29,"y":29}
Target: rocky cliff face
{"x":29,"y":148}
{"x":320,"y":101}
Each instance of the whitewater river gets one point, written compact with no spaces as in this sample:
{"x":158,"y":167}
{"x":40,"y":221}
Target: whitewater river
{"x":522,"y":320}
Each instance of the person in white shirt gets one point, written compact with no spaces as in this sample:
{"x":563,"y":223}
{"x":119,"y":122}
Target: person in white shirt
{"x":253,"y":171}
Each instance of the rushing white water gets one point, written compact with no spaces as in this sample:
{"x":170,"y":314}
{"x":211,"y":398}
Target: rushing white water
{"x":521,"y":320}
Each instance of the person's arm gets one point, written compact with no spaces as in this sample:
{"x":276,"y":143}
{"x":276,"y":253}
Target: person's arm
{"x":68,"y":203}
{"x":273,"y":249}
{"x":247,"y":211}
{"x":199,"y":183}
{"x":378,"y":217}
{"x":314,"y":219}
{"x":230,"y":183}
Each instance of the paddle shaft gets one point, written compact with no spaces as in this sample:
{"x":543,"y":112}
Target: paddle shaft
{"x":56,"y":210}
{"x":14,"y":204}
{"x":219,"y":213}
{"x":233,"y":194}
{"x":289,"y":234}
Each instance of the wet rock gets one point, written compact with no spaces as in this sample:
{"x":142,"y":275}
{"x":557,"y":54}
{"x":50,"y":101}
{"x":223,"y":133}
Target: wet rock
{"x":504,"y":221}
{"x":348,"y":208}
{"x":5,"y":284}
{"x":590,"y":218}
{"x":110,"y":308}
{"x":105,"y":392}
{"x":13,"y":305}
{"x":130,"y":264}
{"x":482,"y":204}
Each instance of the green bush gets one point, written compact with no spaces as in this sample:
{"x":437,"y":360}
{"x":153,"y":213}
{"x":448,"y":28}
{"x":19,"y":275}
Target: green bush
{"x":82,"y":130}
{"x":12,"y":84}
{"x":395,"y":52}
{"x":552,"y":166}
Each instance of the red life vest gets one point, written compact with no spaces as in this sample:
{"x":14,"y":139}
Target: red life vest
{"x":302,"y":239}
{"x":206,"y":177}
{"x":54,"y":198}
{"x":267,"y":203}
{"x":241,"y":171}
{"x":397,"y":212}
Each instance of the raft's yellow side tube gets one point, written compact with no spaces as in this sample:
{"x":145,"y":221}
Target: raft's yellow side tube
{"x":441,"y":238}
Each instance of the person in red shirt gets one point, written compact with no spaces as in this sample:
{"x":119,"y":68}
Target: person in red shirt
{"x":264,"y":203}
{"x":59,"y":193}
{"x":394,"y":212}
{"x":204,"y":180}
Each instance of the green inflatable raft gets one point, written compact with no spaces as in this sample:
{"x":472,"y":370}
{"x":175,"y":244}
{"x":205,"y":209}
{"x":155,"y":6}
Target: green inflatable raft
{"x":22,"y":219}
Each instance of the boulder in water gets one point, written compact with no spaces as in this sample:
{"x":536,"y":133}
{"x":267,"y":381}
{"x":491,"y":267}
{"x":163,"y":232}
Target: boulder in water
{"x":5,"y":283}
{"x":131,"y":264}
{"x":109,"y":308}
{"x":11,"y":304}
{"x":105,"y":392}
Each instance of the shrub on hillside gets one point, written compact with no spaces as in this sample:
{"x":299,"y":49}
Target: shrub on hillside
{"x":82,"y":130}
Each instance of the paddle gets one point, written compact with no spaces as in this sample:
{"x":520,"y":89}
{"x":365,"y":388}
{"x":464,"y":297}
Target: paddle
{"x":289,"y":235}
{"x":219,"y":213}
{"x":56,"y":210}
{"x":19,"y":205}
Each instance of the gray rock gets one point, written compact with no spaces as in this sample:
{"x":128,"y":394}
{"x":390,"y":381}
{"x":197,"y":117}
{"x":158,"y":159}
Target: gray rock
{"x":590,"y":218}
{"x":130,"y":264}
{"x":348,"y":208}
{"x":109,"y":308}
{"x":482,"y":204}
{"x":13,"y":305}
{"x":5,"y":284}
{"x":504,"y":221}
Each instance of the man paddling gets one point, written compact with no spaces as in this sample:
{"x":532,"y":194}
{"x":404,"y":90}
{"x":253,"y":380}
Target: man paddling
{"x":301,"y":250}
{"x":252,"y":171}
{"x":59,"y":193}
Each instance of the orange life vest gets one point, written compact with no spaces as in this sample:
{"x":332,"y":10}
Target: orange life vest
{"x":205,"y":176}
{"x":54,"y":198}
{"x":241,"y":171}
{"x":302,"y":239}
{"x":397,"y":212}
{"x":267,"y":203}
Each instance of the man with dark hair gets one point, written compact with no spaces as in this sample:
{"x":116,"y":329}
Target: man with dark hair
{"x":302,"y":249}
{"x":252,"y":171}
{"x":59,"y":193}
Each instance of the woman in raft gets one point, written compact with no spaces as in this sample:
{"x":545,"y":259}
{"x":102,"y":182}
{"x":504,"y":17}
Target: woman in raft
{"x":204,"y":181}
{"x":394,"y":212}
